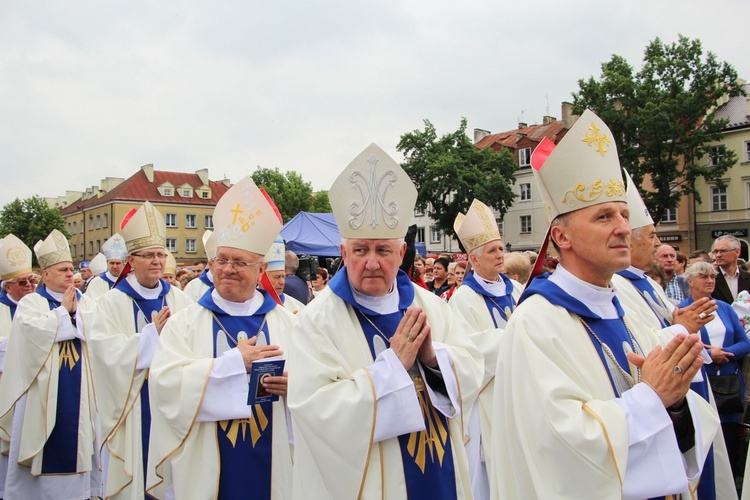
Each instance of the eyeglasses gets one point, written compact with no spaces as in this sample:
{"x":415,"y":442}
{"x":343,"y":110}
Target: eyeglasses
{"x":719,"y":251}
{"x":23,"y":282}
{"x":150,"y":255}
{"x":238,"y":265}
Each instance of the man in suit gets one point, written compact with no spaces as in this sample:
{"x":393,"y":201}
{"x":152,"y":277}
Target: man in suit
{"x":731,"y":280}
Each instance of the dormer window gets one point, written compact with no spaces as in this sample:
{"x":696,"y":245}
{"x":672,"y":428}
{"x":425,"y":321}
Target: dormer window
{"x":167,"y":191}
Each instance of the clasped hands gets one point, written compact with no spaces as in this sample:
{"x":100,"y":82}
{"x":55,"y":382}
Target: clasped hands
{"x":413,"y":340}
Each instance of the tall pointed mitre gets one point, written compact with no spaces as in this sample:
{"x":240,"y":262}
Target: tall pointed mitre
{"x":639,"y":214}
{"x":373,"y":198}
{"x":170,"y":266}
{"x":144,"y":228}
{"x":99,"y":263}
{"x":15,"y":257}
{"x":275,"y":256}
{"x":53,"y":250}
{"x":583,"y":170}
{"x":209,"y":244}
{"x":477,"y":227}
{"x":244,"y":218}
{"x":114,"y":248}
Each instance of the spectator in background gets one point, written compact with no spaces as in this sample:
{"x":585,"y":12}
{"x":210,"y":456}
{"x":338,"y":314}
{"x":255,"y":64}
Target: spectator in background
{"x":676,"y":287}
{"x":517,"y":267}
{"x":428,"y":269}
{"x":656,"y":273}
{"x":439,"y":283}
{"x":680,"y":264}
{"x":698,"y":256}
{"x":419,"y":265}
{"x":730,"y":280}
{"x":198,"y":267}
{"x":294,"y":285}
{"x":320,"y":282}
{"x":460,"y":272}
{"x":77,"y":281}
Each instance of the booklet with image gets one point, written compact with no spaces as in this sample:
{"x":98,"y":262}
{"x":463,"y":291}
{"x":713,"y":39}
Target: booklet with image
{"x":260,"y":370}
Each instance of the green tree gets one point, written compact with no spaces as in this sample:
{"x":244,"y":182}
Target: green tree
{"x":320,"y":203}
{"x":663,"y":117}
{"x":450,"y":172}
{"x":289,"y":191}
{"x":30,"y":220}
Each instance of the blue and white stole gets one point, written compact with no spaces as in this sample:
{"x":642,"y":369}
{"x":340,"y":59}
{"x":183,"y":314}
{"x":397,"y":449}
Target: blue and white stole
{"x":646,"y":289}
{"x":245,"y":445}
{"x":500,"y":307}
{"x":144,"y":310}
{"x":610,"y":337}
{"x":427,"y":455}
{"x":205,"y":279}
{"x":61,"y":448}
{"x":105,"y":277}
{"x":5,"y":299}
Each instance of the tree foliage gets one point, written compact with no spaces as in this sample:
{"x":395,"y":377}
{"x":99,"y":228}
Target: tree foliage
{"x":450,"y":172}
{"x":289,"y":191}
{"x":30,"y":220}
{"x":663,"y":117}
{"x":320,"y":203}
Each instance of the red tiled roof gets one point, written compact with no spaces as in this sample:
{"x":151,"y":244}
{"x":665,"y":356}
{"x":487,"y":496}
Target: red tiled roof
{"x":137,"y":188}
{"x":536,"y":133}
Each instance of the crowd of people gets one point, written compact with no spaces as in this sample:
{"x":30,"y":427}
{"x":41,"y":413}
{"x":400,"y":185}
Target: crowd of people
{"x":497,"y":375}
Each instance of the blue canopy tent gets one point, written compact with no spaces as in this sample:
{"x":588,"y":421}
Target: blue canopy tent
{"x":313,"y":234}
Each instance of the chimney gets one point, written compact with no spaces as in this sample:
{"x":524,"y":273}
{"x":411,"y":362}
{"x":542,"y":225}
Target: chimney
{"x":567,"y":115}
{"x":203,"y":175}
{"x":522,"y":125}
{"x":226,"y":182}
{"x":480,"y":134}
{"x":149,"y":171}
{"x":547,"y":119}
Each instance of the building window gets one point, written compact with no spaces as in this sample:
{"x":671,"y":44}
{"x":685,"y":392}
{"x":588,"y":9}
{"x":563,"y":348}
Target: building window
{"x":434,"y":235}
{"x":190,"y":245}
{"x":420,"y":235}
{"x":747,"y":150}
{"x":91,"y":222}
{"x":208,"y":221}
{"x":105,"y":222}
{"x":98,"y":221}
{"x":171,"y":220}
{"x":172,"y":245}
{"x":525,"y":224}
{"x":98,"y":246}
{"x":91,"y":248}
{"x":75,"y":229}
{"x":418,"y":212}
{"x":73,"y":252}
{"x":500,"y":226}
{"x":187,"y":193}
{"x":718,"y":198}
{"x":717,"y":154}
{"x":168,"y":192}
{"x":524,"y":157}
{"x":190,"y":220}
{"x":205,"y":194}
{"x":669,"y":216}
{"x":526,"y":191}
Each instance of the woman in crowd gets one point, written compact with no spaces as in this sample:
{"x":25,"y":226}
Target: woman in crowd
{"x":727,"y":342}
{"x":320,"y":281}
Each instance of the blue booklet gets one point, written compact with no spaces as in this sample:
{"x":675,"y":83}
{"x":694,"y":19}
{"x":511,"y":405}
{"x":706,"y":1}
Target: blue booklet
{"x":261,"y":369}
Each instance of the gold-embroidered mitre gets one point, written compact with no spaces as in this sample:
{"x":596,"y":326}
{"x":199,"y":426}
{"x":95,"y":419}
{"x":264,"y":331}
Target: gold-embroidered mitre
{"x":373,"y":198}
{"x":639,"y":214}
{"x":15,"y":257}
{"x":53,"y":250}
{"x":275,"y":255}
{"x":477,"y":227}
{"x":114,"y":248}
{"x":245,"y":219}
{"x":145,"y":229}
{"x":583,"y":170}
{"x":209,"y":244}
{"x":99,"y":263}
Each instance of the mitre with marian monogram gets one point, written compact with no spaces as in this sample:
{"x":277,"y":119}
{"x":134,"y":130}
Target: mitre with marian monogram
{"x":373,"y":198}
{"x":15,"y":257}
{"x":209,"y":244}
{"x":477,"y":227}
{"x":245,"y":219}
{"x":583,"y":170}
{"x":53,"y":250}
{"x":144,"y":228}
{"x":275,"y":255}
{"x":114,"y":248}
{"x":639,"y":214}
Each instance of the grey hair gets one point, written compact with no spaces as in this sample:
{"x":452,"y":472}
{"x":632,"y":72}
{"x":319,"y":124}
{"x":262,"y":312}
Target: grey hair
{"x":734,"y":242}
{"x":699,"y":269}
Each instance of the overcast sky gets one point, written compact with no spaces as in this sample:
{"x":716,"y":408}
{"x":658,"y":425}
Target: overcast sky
{"x":92,"y":88}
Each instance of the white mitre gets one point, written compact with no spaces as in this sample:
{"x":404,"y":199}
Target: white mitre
{"x":244,"y":218}
{"x":15,"y":257}
{"x":373,"y":198}
{"x":144,"y":228}
{"x":209,"y":244}
{"x":114,"y":248}
{"x":477,"y":227}
{"x":53,"y":250}
{"x":275,"y":256}
{"x":583,"y":170}
{"x":639,"y":214}
{"x":170,"y":266}
{"x":99,"y":263}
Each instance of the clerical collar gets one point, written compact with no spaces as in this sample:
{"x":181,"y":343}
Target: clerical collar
{"x":496,"y":288}
{"x":386,"y":304}
{"x":638,"y":272}
{"x":111,"y":277}
{"x":247,"y":308}
{"x":596,"y":298}
{"x":9,"y":298}
{"x":146,"y":293}
{"x":58,"y":296}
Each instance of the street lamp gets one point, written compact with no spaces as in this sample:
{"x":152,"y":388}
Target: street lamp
{"x":508,"y":246}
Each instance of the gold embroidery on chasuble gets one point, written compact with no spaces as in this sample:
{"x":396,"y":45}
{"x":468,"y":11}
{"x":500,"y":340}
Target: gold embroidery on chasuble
{"x":434,"y":438}
{"x":238,"y":428}
{"x":68,"y":354}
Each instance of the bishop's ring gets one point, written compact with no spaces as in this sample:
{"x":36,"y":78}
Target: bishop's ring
{"x":677,"y":369}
